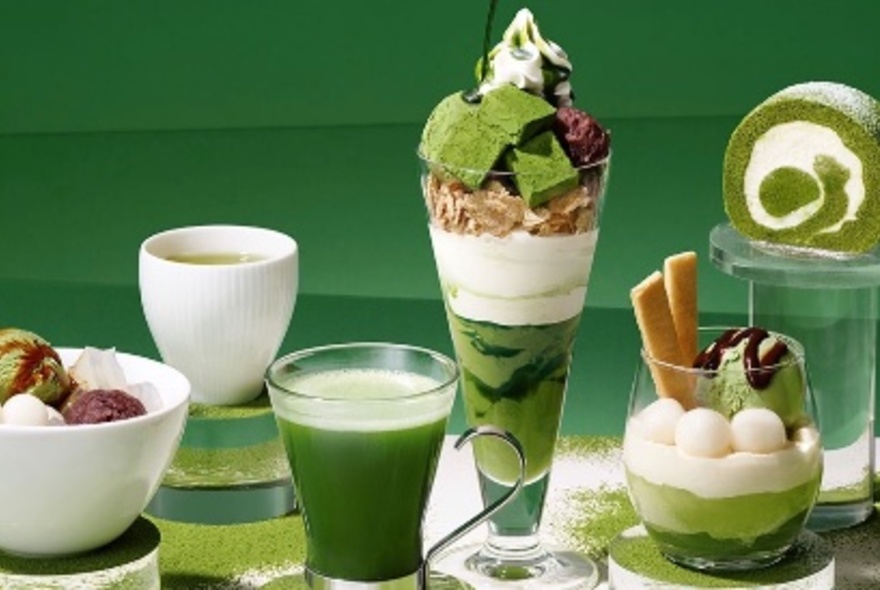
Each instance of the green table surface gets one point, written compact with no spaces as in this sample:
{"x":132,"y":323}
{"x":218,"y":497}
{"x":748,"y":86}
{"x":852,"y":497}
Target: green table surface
{"x":587,"y":507}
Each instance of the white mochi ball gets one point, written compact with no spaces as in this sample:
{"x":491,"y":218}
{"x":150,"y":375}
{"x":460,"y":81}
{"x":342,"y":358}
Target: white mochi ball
{"x":703,"y":433}
{"x":757,"y":430}
{"x":659,"y":420}
{"x":24,"y":409}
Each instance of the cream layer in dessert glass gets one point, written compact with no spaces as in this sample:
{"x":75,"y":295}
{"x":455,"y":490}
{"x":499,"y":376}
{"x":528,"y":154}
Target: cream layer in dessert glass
{"x":513,"y":305}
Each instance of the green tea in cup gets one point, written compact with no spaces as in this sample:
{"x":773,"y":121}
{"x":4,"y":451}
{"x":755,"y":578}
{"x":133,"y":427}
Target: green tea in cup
{"x":212,"y":258}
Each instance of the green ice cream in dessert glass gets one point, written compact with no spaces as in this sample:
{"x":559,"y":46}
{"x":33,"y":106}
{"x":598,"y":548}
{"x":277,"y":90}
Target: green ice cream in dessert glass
{"x":514,"y":179}
{"x":723,"y":459}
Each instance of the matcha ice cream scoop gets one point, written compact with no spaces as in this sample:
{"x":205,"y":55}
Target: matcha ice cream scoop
{"x":29,"y":364}
{"x":752,"y":368}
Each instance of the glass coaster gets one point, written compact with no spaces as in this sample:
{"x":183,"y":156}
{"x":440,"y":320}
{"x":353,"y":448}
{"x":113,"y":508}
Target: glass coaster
{"x":129,"y":562}
{"x":230,"y":468}
{"x":436,"y":581}
{"x":635,"y":562}
{"x":580,"y":573}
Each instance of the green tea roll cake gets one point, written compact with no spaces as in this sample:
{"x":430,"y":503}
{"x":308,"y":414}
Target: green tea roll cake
{"x":803,"y":169}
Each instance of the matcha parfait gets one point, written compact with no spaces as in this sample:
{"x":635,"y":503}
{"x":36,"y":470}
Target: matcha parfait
{"x":725,"y":473}
{"x":514,"y":178}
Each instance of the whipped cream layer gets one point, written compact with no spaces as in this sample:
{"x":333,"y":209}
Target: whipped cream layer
{"x":516,"y":280}
{"x":733,"y":475}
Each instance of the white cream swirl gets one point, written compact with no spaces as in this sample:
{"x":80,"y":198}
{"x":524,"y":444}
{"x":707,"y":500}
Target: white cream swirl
{"x":796,"y":144}
{"x":530,"y":62}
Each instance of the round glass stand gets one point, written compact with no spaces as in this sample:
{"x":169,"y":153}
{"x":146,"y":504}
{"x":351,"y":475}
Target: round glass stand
{"x":635,"y":562}
{"x":130,"y":562}
{"x":770,"y":264}
{"x":230,"y":468}
{"x":829,"y":303}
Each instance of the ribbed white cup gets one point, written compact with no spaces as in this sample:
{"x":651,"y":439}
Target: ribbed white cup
{"x":221,"y":325}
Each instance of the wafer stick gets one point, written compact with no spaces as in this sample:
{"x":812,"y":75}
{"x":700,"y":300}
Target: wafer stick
{"x":680,"y":279}
{"x":654,"y":318}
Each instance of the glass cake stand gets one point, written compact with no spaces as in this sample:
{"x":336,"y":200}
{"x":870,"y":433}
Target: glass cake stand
{"x":828,"y":303}
{"x":230,"y":468}
{"x":634,"y":562}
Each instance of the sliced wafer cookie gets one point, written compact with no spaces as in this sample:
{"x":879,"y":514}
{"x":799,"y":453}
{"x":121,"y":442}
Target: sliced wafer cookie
{"x":680,"y":279}
{"x":659,"y":339}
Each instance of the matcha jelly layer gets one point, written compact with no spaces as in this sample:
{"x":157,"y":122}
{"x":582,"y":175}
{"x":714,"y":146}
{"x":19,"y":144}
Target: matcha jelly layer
{"x":514,"y":377}
{"x":690,"y":525}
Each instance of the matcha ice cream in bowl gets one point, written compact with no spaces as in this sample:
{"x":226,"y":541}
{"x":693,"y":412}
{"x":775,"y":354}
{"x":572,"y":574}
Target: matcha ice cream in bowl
{"x":513,"y":177}
{"x":722,"y":455}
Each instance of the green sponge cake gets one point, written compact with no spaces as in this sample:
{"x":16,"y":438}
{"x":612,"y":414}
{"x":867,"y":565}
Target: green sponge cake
{"x":803,"y":169}
{"x":469,"y":138}
{"x":542,"y":169}
{"x":455,"y":136}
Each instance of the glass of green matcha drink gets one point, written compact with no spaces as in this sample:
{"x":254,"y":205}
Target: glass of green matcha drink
{"x":363,"y":426}
{"x":723,"y":458}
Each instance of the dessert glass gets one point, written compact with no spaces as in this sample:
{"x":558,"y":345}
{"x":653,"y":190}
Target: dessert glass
{"x":514,"y":290}
{"x":738,"y":511}
{"x":363,"y":425}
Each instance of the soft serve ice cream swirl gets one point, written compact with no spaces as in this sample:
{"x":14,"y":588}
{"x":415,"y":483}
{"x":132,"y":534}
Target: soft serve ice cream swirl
{"x":530,"y":62}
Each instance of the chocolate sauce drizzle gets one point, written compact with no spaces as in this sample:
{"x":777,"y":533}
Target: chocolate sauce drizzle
{"x":759,"y":370}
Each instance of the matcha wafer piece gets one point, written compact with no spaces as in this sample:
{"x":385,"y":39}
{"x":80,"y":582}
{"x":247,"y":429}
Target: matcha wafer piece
{"x":803,"y":169}
{"x":680,"y":280}
{"x":659,"y":340}
{"x":542,"y":169}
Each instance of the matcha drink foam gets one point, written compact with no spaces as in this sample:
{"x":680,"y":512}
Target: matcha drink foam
{"x":354,"y":400}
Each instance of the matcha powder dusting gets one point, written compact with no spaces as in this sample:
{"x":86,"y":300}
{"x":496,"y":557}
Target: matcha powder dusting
{"x":594,"y":506}
{"x":248,"y":555}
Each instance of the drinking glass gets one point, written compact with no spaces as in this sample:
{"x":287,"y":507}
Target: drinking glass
{"x":514,"y":282}
{"x":736,"y":496}
{"x":363,"y":424}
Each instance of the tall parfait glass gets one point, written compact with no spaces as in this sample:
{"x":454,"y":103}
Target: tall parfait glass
{"x":514,"y":282}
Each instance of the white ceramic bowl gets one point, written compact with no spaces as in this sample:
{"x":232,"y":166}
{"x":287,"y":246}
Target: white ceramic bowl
{"x":69,"y":489}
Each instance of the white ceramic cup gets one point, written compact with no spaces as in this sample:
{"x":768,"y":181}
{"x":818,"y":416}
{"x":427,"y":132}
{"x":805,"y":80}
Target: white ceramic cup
{"x":220,"y":323}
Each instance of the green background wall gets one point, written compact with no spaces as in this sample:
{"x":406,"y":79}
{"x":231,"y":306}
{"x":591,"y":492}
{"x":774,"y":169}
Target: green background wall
{"x":118,"y":119}
{"x":86,"y":65}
